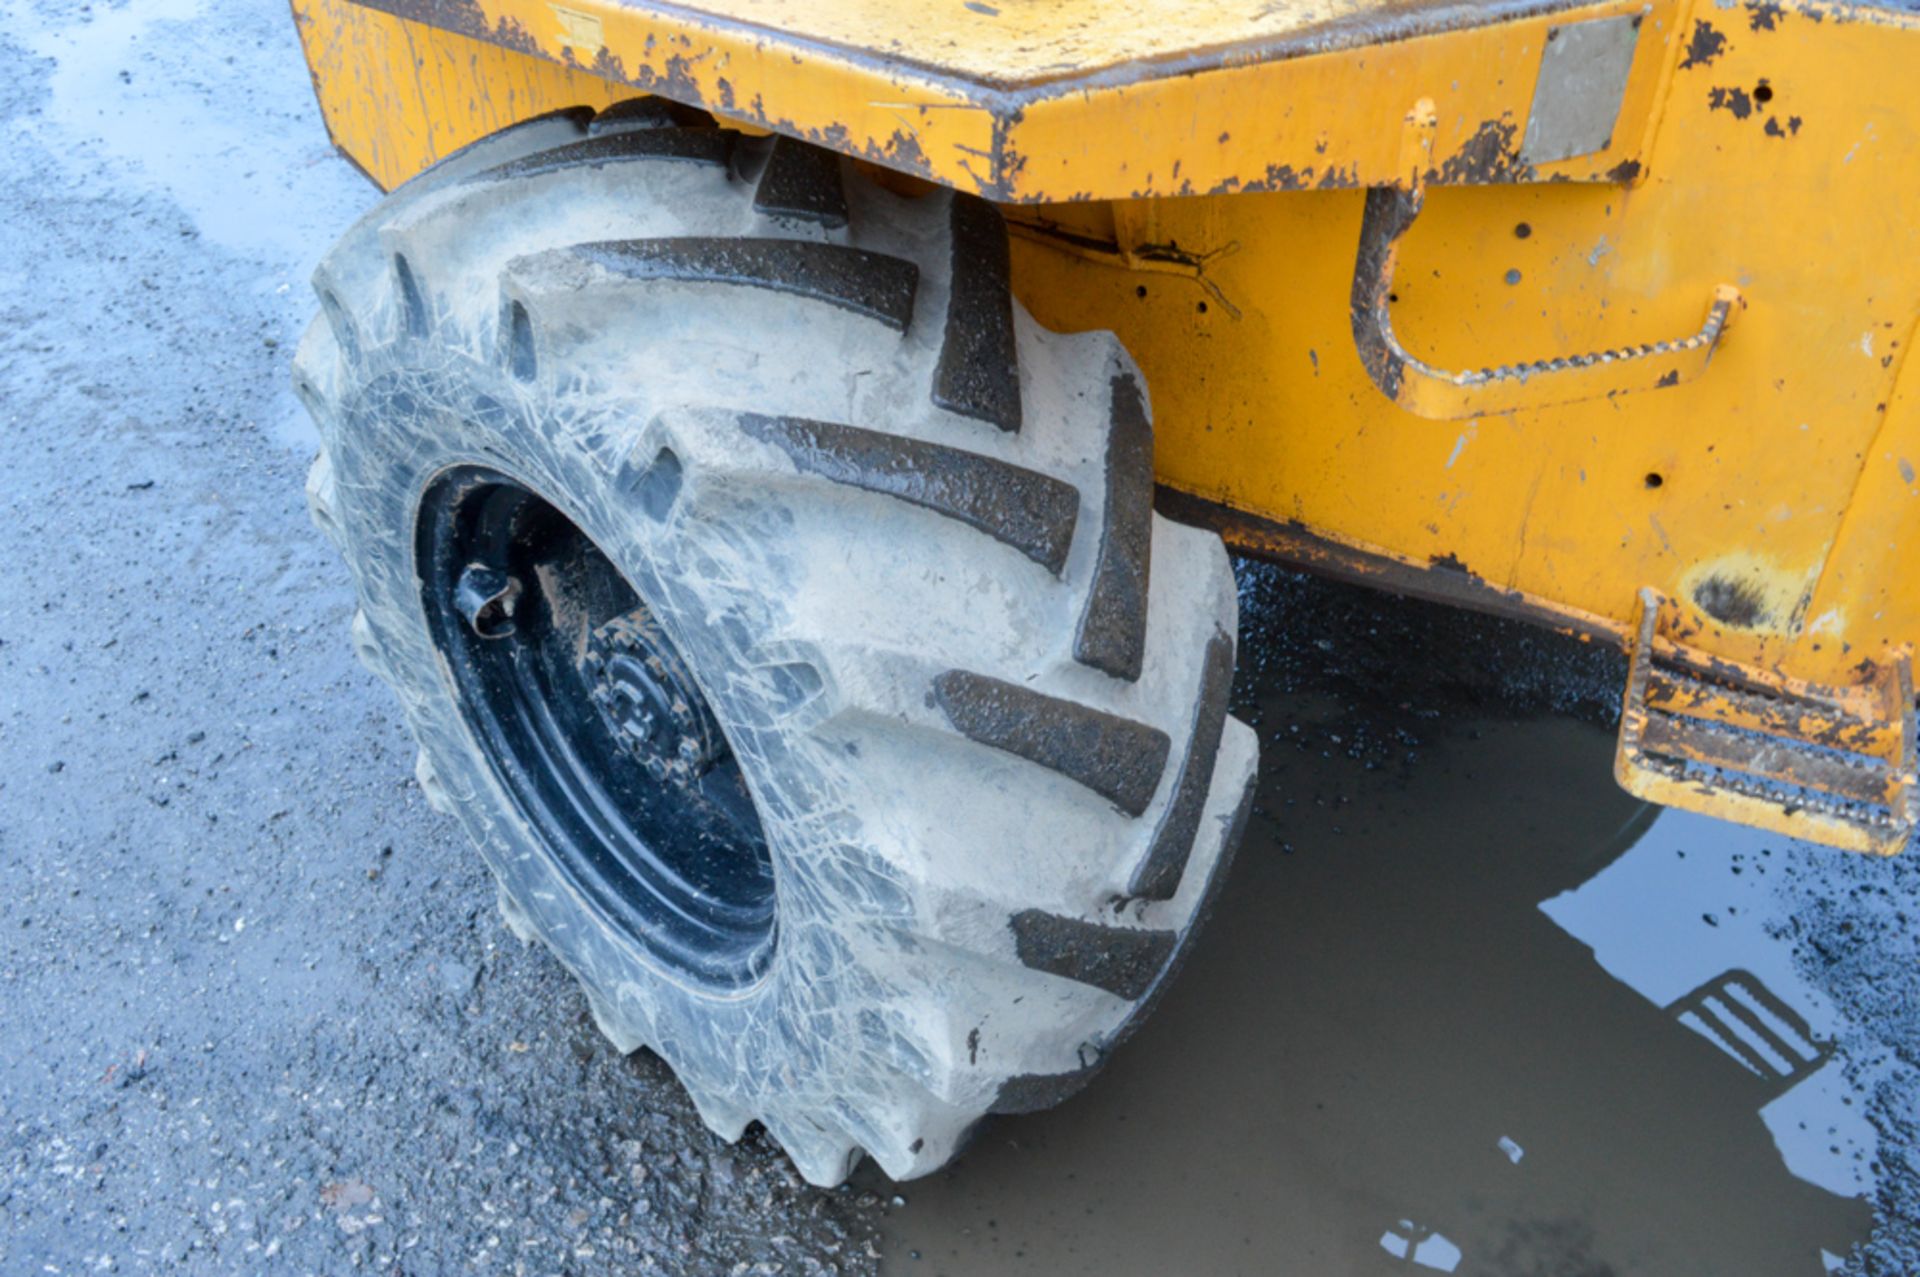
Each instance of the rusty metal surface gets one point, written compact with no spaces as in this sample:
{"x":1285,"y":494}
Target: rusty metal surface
{"x":1835,"y":766}
{"x":1437,"y":580}
{"x":1016,"y":48}
{"x":1036,"y":102}
{"x":1841,"y":773}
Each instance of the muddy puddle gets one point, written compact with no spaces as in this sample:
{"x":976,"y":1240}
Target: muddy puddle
{"x":1484,"y":1013}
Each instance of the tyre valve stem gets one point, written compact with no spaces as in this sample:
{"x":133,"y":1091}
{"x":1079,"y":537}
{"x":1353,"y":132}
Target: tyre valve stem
{"x":487,"y":597}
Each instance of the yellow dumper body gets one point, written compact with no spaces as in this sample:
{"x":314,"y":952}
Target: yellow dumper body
{"x":1594,"y":313}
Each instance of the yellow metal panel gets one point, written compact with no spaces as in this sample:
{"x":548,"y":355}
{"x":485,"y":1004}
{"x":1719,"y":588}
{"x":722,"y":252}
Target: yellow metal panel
{"x":1020,"y":44}
{"x":1323,"y":121}
{"x":398,"y":96}
{"x":1871,"y":582}
{"x":1029,"y":102}
{"x":1729,"y":488}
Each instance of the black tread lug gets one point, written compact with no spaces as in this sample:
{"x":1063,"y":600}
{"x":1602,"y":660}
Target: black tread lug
{"x":870,"y":284}
{"x":1125,"y":961}
{"x":1036,"y":1092}
{"x":1113,"y":628}
{"x":693,"y":146}
{"x":978,"y":374}
{"x":1032,"y":512}
{"x":1117,"y":758}
{"x":801,"y":182}
{"x":346,"y":335}
{"x":1031,"y":1092}
{"x":648,"y":113}
{"x":579,"y":115}
{"x":1159,"y":874}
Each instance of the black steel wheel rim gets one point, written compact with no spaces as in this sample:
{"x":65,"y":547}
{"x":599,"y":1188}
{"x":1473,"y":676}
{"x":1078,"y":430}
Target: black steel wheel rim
{"x":589,"y":719}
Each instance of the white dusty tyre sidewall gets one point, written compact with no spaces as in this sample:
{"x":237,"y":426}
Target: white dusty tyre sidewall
{"x":783,"y":1049}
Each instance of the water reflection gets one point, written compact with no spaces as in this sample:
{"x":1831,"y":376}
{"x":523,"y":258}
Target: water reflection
{"x":1389,"y":1055}
{"x":1686,"y":918}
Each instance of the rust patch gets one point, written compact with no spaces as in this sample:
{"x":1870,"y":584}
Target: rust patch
{"x":1731,"y":601}
{"x":1764,"y":16}
{"x":1490,"y":155}
{"x":902,"y":151}
{"x":608,"y":66}
{"x":1706,"y":45}
{"x":1443,"y":580}
{"x":1734,"y":101}
{"x":1773,"y":128}
{"x":462,"y":17}
{"x":1625,"y":172}
{"x":1388,"y":214}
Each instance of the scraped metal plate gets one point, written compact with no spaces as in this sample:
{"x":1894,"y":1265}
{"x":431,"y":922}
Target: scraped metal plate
{"x":1583,"y":77}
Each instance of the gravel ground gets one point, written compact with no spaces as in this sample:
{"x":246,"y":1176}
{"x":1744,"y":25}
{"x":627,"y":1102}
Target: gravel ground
{"x":255,"y":1001}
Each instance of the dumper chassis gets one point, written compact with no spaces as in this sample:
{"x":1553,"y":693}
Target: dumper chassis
{"x":784,"y":454}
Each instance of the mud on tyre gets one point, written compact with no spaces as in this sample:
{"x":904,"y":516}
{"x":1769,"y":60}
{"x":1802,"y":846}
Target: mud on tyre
{"x":784,"y":614}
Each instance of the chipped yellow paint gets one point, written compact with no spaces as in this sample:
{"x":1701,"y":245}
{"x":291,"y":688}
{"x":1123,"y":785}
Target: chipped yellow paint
{"x":1037,"y":102}
{"x":1764,"y":148}
{"x":397,"y":96}
{"x":1868,"y":594}
{"x":1751,"y":733}
{"x":580,"y":32}
{"x":1751,"y":591}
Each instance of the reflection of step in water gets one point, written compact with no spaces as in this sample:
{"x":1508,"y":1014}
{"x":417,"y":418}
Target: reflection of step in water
{"x":1741,"y":1016}
{"x":1687,"y":917}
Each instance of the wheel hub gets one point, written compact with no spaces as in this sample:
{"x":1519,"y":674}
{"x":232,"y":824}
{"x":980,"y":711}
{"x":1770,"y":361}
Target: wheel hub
{"x":592,"y":723}
{"x":649,"y":701}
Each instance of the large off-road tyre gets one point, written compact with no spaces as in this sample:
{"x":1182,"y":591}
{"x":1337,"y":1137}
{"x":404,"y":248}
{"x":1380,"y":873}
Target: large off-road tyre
{"x":784,"y":614}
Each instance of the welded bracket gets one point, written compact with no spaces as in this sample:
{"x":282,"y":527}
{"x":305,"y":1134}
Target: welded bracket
{"x":1443,"y":394}
{"x":1703,"y":735}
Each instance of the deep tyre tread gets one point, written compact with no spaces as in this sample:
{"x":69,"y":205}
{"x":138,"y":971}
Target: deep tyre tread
{"x":979,"y":370}
{"x":646,"y":113}
{"x":1159,"y":874}
{"x":694,"y":146}
{"x":875,"y":285}
{"x":1113,"y":628}
{"x":801,"y":182}
{"x":989,"y":749}
{"x":1029,"y":511}
{"x":1116,"y":758}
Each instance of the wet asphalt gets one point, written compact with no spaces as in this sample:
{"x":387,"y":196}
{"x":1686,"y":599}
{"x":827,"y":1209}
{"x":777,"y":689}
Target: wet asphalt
{"x":258,"y":1014}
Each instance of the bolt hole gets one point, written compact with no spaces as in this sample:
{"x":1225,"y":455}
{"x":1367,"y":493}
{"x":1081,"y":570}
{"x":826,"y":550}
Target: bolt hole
{"x":1393,"y":297}
{"x":1763,"y":92}
{"x":1202,"y":308}
{"x":1513,"y":277}
{"x":1654,"y":479}
{"x":1522,"y":231}
{"x":1140,"y":291}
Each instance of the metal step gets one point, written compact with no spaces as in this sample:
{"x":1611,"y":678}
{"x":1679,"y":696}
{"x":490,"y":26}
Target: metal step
{"x":1706,"y":736}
